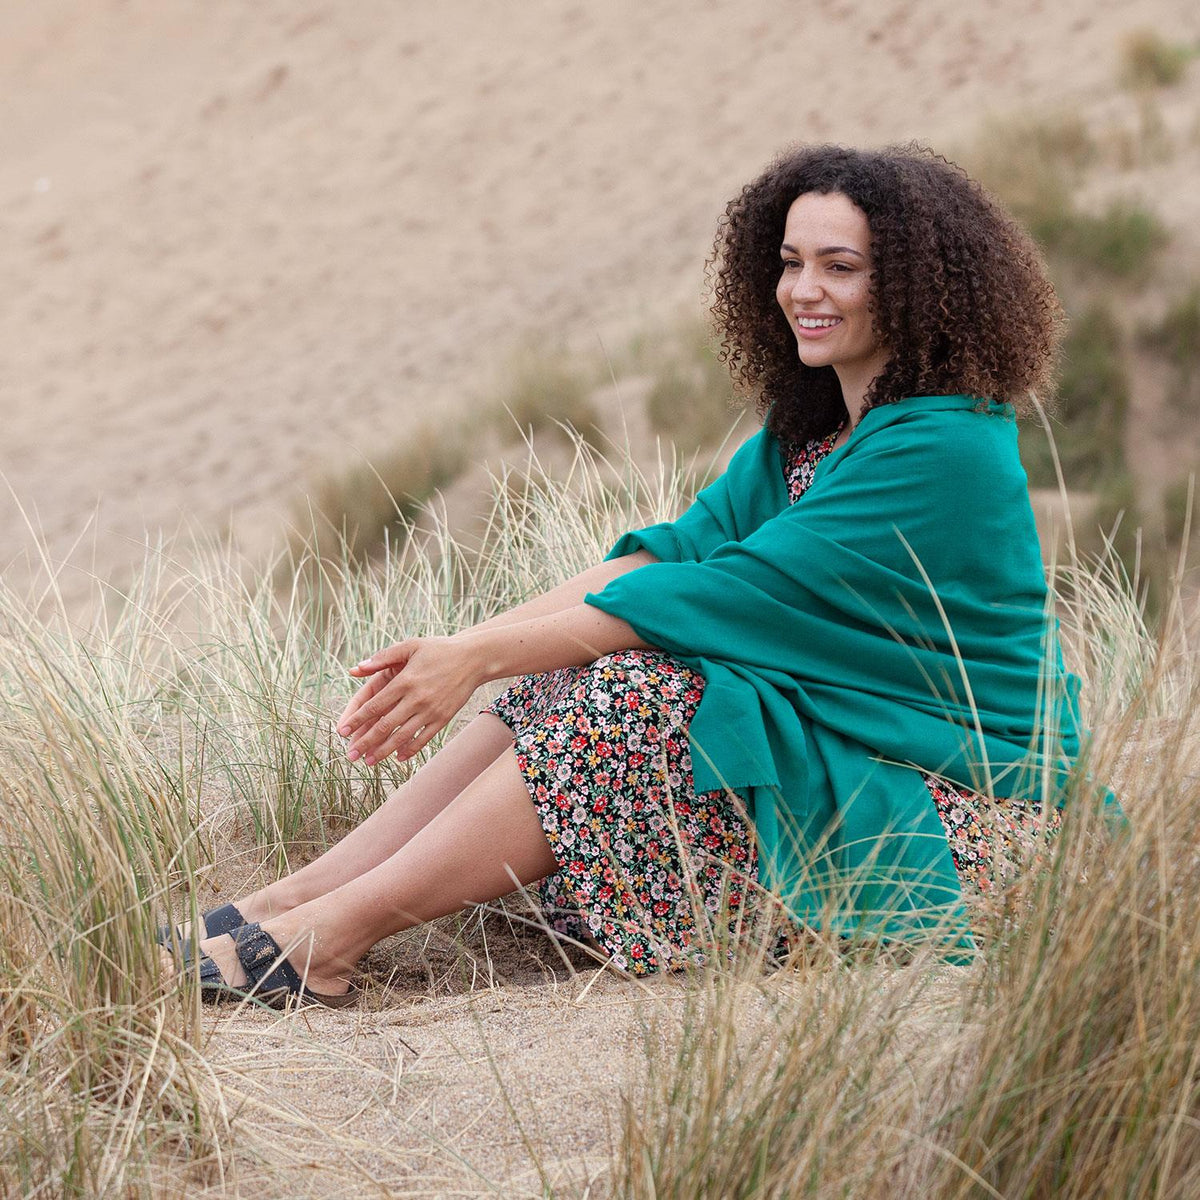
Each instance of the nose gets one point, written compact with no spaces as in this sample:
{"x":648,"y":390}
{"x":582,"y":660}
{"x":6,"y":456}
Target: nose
{"x":806,"y":286}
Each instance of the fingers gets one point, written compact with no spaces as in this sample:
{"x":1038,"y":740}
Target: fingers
{"x":391,"y":656}
{"x":355,"y":702}
{"x":372,"y":729}
{"x":364,"y":721}
{"x":379,"y":670}
{"x":397,"y":721}
{"x":406,"y":740}
{"x":374,"y":744}
{"x":403,"y":731}
{"x":349,"y":719}
{"x":400,"y":707}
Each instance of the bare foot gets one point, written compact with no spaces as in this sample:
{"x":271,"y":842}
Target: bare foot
{"x":221,"y":950}
{"x":255,"y":907}
{"x":321,"y":974}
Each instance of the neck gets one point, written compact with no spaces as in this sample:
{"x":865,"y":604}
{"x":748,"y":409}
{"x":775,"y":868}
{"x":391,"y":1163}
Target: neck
{"x":855,"y":382}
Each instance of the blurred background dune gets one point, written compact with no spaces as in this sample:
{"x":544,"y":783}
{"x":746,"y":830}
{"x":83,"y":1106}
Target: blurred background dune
{"x":248,"y":246}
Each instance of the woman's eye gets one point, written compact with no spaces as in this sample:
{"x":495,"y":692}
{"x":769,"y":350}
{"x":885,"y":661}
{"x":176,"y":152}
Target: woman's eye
{"x":790,"y":264}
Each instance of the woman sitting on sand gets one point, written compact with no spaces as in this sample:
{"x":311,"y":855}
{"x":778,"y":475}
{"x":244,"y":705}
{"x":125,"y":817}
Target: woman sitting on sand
{"x":813,"y":685}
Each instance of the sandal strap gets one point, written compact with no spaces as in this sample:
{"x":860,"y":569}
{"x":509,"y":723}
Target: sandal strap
{"x":222,"y":920}
{"x":270,"y":978}
{"x":267,"y":970}
{"x":216,"y":922}
{"x":210,"y":974}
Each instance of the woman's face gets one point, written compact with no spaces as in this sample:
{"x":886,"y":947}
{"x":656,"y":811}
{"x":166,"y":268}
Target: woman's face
{"x":825,"y":287}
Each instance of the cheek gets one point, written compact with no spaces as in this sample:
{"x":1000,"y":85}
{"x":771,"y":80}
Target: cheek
{"x":782,"y":295}
{"x":864,"y":315}
{"x":862,"y":298}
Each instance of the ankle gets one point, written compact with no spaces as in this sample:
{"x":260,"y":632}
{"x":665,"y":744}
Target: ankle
{"x":317,"y":944}
{"x":285,"y":894}
{"x":271,"y":901}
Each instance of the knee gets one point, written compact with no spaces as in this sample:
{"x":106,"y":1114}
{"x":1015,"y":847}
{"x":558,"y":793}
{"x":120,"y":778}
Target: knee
{"x":648,"y":680}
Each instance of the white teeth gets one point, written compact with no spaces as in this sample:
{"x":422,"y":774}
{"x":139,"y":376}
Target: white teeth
{"x":816,"y":322}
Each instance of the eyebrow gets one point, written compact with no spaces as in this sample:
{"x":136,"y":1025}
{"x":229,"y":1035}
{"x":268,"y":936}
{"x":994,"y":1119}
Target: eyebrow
{"x":824,"y":250}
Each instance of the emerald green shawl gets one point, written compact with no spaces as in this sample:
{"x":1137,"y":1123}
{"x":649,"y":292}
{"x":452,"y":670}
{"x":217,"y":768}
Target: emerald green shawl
{"x":895,"y":617}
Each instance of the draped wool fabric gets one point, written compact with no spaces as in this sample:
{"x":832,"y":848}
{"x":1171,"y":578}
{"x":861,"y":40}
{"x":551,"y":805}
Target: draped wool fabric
{"x":892,"y":621}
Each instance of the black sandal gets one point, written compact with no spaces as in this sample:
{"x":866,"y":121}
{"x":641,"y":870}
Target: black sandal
{"x":270,"y":978}
{"x":216,"y":922}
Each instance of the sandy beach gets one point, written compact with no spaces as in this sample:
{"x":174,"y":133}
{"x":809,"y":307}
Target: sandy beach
{"x":247,"y":245}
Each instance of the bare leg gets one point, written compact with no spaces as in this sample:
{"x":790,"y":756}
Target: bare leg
{"x":405,"y":812}
{"x":462,"y":856}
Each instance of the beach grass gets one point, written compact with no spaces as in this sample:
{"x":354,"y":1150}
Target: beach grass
{"x":176,"y":747}
{"x":1149,"y":60}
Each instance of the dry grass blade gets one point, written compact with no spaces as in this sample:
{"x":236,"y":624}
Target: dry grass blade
{"x":182,"y":746}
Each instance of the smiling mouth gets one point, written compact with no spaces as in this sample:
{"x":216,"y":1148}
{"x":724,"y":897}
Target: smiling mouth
{"x":818,"y":322}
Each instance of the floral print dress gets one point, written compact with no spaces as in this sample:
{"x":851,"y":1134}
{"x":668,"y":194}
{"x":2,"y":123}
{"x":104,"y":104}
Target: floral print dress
{"x":604,"y":752}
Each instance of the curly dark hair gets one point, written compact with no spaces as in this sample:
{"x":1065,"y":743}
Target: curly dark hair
{"x":960,"y":294}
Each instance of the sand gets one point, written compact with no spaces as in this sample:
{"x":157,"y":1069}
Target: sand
{"x":248,"y":244}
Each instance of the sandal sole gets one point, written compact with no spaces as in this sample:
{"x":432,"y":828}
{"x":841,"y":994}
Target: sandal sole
{"x":280,"y":999}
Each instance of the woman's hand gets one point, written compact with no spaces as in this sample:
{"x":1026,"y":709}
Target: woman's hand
{"x":413,"y":690}
{"x":415,"y":687}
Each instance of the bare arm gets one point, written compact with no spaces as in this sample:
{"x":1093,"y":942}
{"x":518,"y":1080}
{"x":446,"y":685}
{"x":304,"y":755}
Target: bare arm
{"x":571,"y":637}
{"x":567,"y":595}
